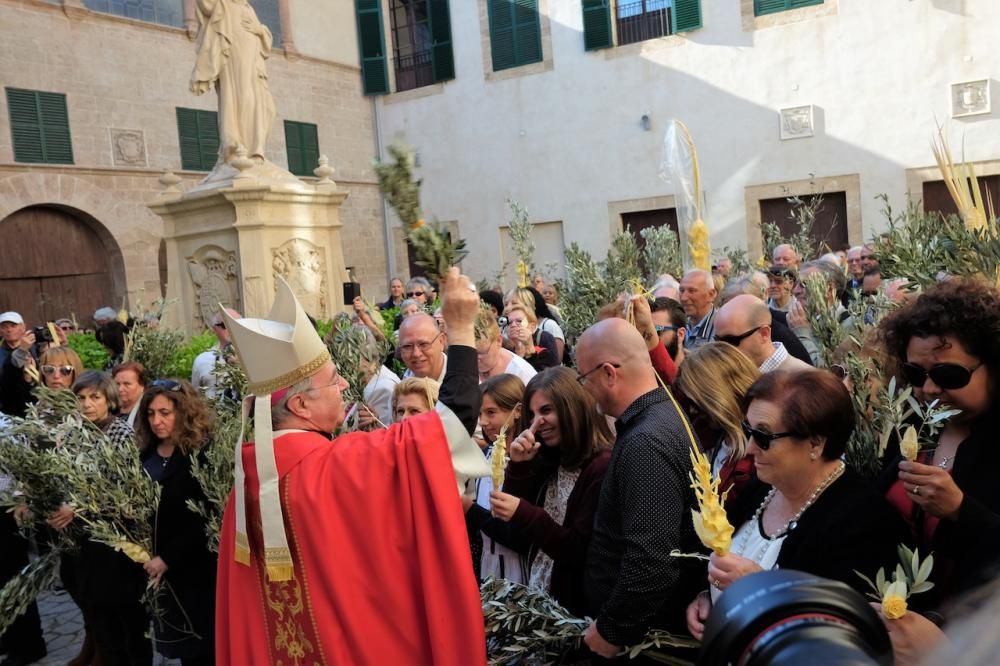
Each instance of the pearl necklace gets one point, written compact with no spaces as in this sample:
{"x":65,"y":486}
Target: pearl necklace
{"x":792,"y":523}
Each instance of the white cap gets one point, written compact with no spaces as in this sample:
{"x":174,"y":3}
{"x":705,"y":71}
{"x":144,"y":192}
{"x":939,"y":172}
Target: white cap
{"x":12,"y":317}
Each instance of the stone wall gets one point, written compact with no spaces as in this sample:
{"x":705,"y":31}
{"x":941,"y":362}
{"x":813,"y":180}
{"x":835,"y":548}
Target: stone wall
{"x":120,"y":74}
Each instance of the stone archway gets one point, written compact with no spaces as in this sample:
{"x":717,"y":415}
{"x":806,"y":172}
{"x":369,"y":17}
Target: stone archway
{"x":57,"y":261}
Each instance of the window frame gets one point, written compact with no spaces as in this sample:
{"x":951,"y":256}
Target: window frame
{"x":46,"y":131}
{"x":305,"y":151}
{"x":201,"y":119}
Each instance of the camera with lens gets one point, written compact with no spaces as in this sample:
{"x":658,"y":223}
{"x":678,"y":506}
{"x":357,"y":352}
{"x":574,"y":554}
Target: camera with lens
{"x":42,"y":334}
{"x":786,"y":617}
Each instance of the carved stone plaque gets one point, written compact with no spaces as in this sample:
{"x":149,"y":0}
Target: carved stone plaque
{"x":970,"y":98}
{"x":797,"y":122}
{"x":302,"y":266}
{"x":128,"y":147}
{"x":213,"y":272}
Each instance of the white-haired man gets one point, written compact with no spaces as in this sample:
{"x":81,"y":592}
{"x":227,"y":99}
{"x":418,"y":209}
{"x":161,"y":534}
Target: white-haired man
{"x":697,"y":295}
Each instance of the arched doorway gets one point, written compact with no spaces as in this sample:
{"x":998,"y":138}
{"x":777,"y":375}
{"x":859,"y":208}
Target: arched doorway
{"x":58,"y":262}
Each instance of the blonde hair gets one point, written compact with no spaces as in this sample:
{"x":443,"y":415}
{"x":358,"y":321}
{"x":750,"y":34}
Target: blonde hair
{"x":62,"y":356}
{"x":486,"y":326}
{"x":528,"y":313}
{"x":716,"y":377}
{"x":422,"y":386}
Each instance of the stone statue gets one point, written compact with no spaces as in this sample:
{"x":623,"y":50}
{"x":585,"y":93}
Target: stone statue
{"x":232,"y":47}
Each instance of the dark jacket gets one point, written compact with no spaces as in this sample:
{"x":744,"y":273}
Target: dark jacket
{"x":533,"y":529}
{"x":180,"y":539}
{"x":782,"y":332}
{"x":850,"y":527}
{"x":966,"y":550}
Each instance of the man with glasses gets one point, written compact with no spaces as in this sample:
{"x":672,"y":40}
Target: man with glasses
{"x":203,"y":375}
{"x":15,"y":336}
{"x":633,"y":583}
{"x":421,"y":347}
{"x":670,"y":321}
{"x":745,"y":323}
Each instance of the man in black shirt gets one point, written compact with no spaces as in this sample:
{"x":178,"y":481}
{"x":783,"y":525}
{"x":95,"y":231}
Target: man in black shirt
{"x":633,"y":583}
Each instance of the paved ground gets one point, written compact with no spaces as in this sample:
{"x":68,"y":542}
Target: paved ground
{"x":63,"y":628}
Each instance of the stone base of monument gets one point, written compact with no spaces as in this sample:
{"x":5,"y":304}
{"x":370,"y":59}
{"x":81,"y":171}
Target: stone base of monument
{"x":230,"y":236}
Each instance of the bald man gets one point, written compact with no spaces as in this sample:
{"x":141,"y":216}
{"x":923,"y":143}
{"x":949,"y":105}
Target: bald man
{"x":697,"y":296}
{"x":785,"y":256}
{"x":421,"y":347}
{"x":745,"y":323}
{"x":643,"y":513}
{"x":203,"y":375}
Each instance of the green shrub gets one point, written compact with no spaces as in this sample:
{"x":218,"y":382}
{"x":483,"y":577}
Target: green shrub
{"x":91,"y":352}
{"x":182,"y":361}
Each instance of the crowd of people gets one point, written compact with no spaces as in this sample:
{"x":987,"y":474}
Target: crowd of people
{"x":596,"y":500}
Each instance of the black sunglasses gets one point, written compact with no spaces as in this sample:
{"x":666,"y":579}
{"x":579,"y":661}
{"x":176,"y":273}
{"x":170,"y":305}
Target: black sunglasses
{"x":948,"y":376}
{"x":414,"y":294}
{"x":735,"y":340}
{"x":660,"y":329}
{"x":763,"y":439}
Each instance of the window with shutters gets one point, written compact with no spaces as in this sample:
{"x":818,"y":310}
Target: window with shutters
{"x":411,"y":44}
{"x":39,"y":127}
{"x":636,"y":20}
{"x":164,"y":12}
{"x":302,"y":143}
{"x":515,"y":33}
{"x":762,"y":7}
{"x":198,"y":132}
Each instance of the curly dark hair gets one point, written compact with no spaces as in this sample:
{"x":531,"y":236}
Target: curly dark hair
{"x":968,"y":310}
{"x":193,"y":421}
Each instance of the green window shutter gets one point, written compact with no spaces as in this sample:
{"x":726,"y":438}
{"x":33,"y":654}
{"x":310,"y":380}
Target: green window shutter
{"x":761,"y":7}
{"x":374,"y":75}
{"x":198,"y":135}
{"x":39,"y":127}
{"x":686,"y":15}
{"x":596,"y":25}
{"x":805,"y":3}
{"x":302,"y":143}
{"x":208,"y":138}
{"x":502,"y":34}
{"x":442,"y":56}
{"x":527,"y":32}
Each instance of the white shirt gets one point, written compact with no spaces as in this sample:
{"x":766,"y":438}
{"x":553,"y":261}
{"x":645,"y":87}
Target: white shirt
{"x":444,"y":369}
{"x":552,"y":328}
{"x":131,"y":415}
{"x":203,"y":371}
{"x":378,"y":393}
{"x":520,"y":369}
{"x":748,"y":542}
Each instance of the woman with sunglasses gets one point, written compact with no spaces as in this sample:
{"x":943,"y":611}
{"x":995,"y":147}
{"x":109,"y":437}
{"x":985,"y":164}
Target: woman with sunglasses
{"x":807,"y":511}
{"x":174,"y":429}
{"x":948,"y":344}
{"x":107,"y":585}
{"x":553,"y":482}
{"x":712,"y":383}
{"x":59,"y":367}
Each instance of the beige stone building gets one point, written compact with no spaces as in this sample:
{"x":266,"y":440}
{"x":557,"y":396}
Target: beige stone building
{"x":96,"y":107}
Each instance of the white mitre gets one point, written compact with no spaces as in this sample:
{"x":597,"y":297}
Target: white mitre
{"x":276,"y":353}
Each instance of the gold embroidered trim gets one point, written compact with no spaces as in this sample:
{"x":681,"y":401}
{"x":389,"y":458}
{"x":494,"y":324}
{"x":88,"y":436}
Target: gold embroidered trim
{"x":289,"y":378}
{"x":242,"y":549}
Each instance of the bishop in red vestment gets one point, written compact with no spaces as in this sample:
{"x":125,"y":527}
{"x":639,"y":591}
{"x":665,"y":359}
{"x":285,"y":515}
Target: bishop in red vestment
{"x":380,"y":570}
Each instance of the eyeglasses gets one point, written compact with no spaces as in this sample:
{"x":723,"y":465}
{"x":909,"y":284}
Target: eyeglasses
{"x":66,"y":328}
{"x":948,"y":376}
{"x":168,"y":384}
{"x":517,"y":322}
{"x":735,"y":340}
{"x":839,"y":371}
{"x":63,"y":370}
{"x":763,"y":439}
{"x":660,"y":329}
{"x":424,"y":347}
{"x":583,"y":378}
{"x":414,"y":294}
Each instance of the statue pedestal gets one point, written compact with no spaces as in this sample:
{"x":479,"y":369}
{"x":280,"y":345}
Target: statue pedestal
{"x":226,"y":244}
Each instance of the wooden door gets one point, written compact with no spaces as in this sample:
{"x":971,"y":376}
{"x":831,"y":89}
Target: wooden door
{"x":53,"y":265}
{"x":937,"y":198}
{"x":829,"y":231}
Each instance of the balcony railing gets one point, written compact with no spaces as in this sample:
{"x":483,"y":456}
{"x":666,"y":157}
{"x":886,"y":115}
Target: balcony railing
{"x":414,"y":71}
{"x":642,"y":20}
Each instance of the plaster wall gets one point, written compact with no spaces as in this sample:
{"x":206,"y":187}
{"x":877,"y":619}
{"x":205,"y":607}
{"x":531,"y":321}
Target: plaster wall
{"x":568,"y":141}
